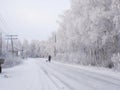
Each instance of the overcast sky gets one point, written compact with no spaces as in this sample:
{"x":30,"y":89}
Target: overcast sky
{"x":32,"y":19}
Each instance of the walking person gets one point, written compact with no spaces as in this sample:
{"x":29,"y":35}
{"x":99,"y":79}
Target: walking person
{"x":49,"y":58}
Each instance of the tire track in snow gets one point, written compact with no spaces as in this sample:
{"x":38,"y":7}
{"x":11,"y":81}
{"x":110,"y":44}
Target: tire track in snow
{"x":84,"y":80}
{"x":71,"y":88}
{"x":53,"y":79}
{"x":45,"y":81}
{"x":46,"y":73}
{"x":59,"y":74}
{"x":78,"y":80}
{"x":96,"y":76}
{"x":87,"y":75}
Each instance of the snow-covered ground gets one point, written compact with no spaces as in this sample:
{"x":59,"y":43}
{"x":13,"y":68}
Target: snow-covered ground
{"x":37,"y":74}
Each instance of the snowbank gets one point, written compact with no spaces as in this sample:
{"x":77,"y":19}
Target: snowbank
{"x":21,"y":77}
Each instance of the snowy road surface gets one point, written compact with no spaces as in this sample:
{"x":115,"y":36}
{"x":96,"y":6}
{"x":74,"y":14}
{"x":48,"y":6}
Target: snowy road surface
{"x":37,"y":74}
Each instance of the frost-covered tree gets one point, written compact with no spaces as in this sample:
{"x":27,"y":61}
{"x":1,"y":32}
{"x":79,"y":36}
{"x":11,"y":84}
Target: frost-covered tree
{"x":25,"y":49}
{"x":34,"y":49}
{"x":89,"y":32}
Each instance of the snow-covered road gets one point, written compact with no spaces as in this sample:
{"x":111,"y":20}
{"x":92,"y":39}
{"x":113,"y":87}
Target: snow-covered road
{"x":41,"y":75}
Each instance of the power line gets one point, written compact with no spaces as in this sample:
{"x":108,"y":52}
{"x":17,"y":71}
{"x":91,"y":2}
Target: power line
{"x":11,"y":38}
{"x":4,"y":28}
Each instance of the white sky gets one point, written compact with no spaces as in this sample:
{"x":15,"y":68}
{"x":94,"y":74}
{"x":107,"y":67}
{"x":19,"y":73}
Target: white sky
{"x":32,"y":19}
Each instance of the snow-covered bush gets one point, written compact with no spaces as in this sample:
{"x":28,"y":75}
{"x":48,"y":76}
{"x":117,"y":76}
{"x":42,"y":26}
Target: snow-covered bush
{"x":11,"y":61}
{"x":64,"y":57}
{"x":116,"y":60}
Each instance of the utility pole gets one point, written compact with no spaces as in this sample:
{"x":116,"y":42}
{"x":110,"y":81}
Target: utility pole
{"x":22,"y":52}
{"x":11,"y":38}
{"x":0,"y":44}
{"x":1,"y":59}
{"x":7,"y":44}
{"x":55,"y":40}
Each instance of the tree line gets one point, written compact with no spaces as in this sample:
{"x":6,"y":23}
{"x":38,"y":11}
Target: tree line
{"x":88,"y":34}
